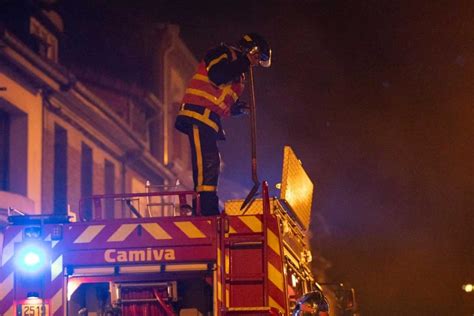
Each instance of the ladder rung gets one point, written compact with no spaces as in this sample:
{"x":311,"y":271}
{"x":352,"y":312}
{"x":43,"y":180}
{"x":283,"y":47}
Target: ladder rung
{"x":247,"y":310}
{"x":244,"y":239}
{"x":254,"y":277}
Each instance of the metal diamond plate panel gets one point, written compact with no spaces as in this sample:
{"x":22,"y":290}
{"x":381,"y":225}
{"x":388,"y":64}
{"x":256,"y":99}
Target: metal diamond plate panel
{"x":296,"y":187}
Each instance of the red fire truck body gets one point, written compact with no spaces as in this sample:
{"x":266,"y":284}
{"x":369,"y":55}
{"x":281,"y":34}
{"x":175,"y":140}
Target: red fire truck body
{"x":252,"y":263}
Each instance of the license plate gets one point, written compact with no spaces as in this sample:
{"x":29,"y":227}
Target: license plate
{"x":34,"y":310}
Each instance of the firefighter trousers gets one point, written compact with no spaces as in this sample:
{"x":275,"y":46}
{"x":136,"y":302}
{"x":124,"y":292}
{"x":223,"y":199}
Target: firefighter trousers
{"x":205,"y":160}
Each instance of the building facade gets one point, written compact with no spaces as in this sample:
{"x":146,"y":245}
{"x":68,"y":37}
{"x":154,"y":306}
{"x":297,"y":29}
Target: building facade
{"x":68,"y":132}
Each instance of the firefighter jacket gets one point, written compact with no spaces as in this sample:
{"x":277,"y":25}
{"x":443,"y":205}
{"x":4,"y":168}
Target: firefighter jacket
{"x":214,"y":89}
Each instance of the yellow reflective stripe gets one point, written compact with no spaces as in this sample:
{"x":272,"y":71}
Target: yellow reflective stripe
{"x":10,"y":311}
{"x":228,"y":91}
{"x":275,"y":276}
{"x":247,"y":38}
{"x":156,"y":231}
{"x":216,"y":60}
{"x":6,"y":286}
{"x":56,"y":268}
{"x":219,"y":284}
{"x":53,"y":242}
{"x":232,"y":230}
{"x":252,"y":222}
{"x":9,"y":249}
{"x":122,"y":233}
{"x":190,"y":230}
{"x":273,"y":303}
{"x":206,"y":188}
{"x":273,"y":242}
{"x":140,"y":269}
{"x":208,"y":96}
{"x":56,"y":301}
{"x":186,"y":267}
{"x":201,"y":78}
{"x":197,"y":145}
{"x":202,"y":118}
{"x":88,"y":234}
{"x":227,"y":263}
{"x":206,"y":79}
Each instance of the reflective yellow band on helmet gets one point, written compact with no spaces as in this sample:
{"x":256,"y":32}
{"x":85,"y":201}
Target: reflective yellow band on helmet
{"x":215,"y":61}
{"x":247,"y":38}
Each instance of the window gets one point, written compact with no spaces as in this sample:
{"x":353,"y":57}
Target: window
{"x":60,"y":170}
{"x":4,"y":150}
{"x":155,"y":139}
{"x":86,"y":179}
{"x":109,"y":188}
{"x":13,"y":151}
{"x":47,"y":44}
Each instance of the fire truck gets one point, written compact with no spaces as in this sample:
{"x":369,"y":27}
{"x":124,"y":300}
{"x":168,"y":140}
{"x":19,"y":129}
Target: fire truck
{"x":163,"y":259}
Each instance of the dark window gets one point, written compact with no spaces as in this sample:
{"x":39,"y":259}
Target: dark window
{"x":60,"y":170}
{"x":86,"y":179}
{"x":4,"y":150}
{"x":109,"y":183}
{"x":156,"y":146}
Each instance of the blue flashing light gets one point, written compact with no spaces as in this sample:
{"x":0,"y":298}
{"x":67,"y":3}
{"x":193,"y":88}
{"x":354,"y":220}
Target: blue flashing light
{"x":31,"y":258}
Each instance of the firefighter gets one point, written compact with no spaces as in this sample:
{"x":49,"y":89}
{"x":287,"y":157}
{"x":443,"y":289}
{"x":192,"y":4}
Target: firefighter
{"x":212,"y":93}
{"x":311,"y":304}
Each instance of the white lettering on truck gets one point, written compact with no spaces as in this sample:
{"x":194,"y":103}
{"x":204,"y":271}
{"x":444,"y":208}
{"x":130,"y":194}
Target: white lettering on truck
{"x":138,"y":255}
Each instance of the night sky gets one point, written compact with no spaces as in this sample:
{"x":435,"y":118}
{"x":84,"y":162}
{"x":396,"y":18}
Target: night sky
{"x":377,"y":100}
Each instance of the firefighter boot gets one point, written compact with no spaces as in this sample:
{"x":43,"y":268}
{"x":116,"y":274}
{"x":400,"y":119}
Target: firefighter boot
{"x":209,"y":203}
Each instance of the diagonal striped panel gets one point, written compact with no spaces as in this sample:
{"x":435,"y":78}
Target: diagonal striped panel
{"x":10,"y":311}
{"x":56,"y":301}
{"x":273,"y":242}
{"x":9,"y":249}
{"x":275,"y":276}
{"x":89,"y":234}
{"x":156,"y":231}
{"x":6,"y":286}
{"x":122,"y":232}
{"x":276,"y":287}
{"x":190,"y":230}
{"x":252,"y":222}
{"x":273,"y":303}
{"x":53,"y":242}
{"x":56,"y":268}
{"x":232,"y":230}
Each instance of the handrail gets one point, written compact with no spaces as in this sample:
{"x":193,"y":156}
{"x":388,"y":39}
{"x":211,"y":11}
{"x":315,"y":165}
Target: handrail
{"x":97,"y":205}
{"x":266,"y":214}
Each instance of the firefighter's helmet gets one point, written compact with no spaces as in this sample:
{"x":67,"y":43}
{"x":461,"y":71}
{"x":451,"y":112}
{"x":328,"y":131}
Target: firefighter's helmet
{"x":255,"y":42}
{"x":311,"y":304}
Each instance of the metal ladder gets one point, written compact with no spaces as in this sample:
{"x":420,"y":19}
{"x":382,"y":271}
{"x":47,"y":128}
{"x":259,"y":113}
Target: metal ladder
{"x":236,"y":247}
